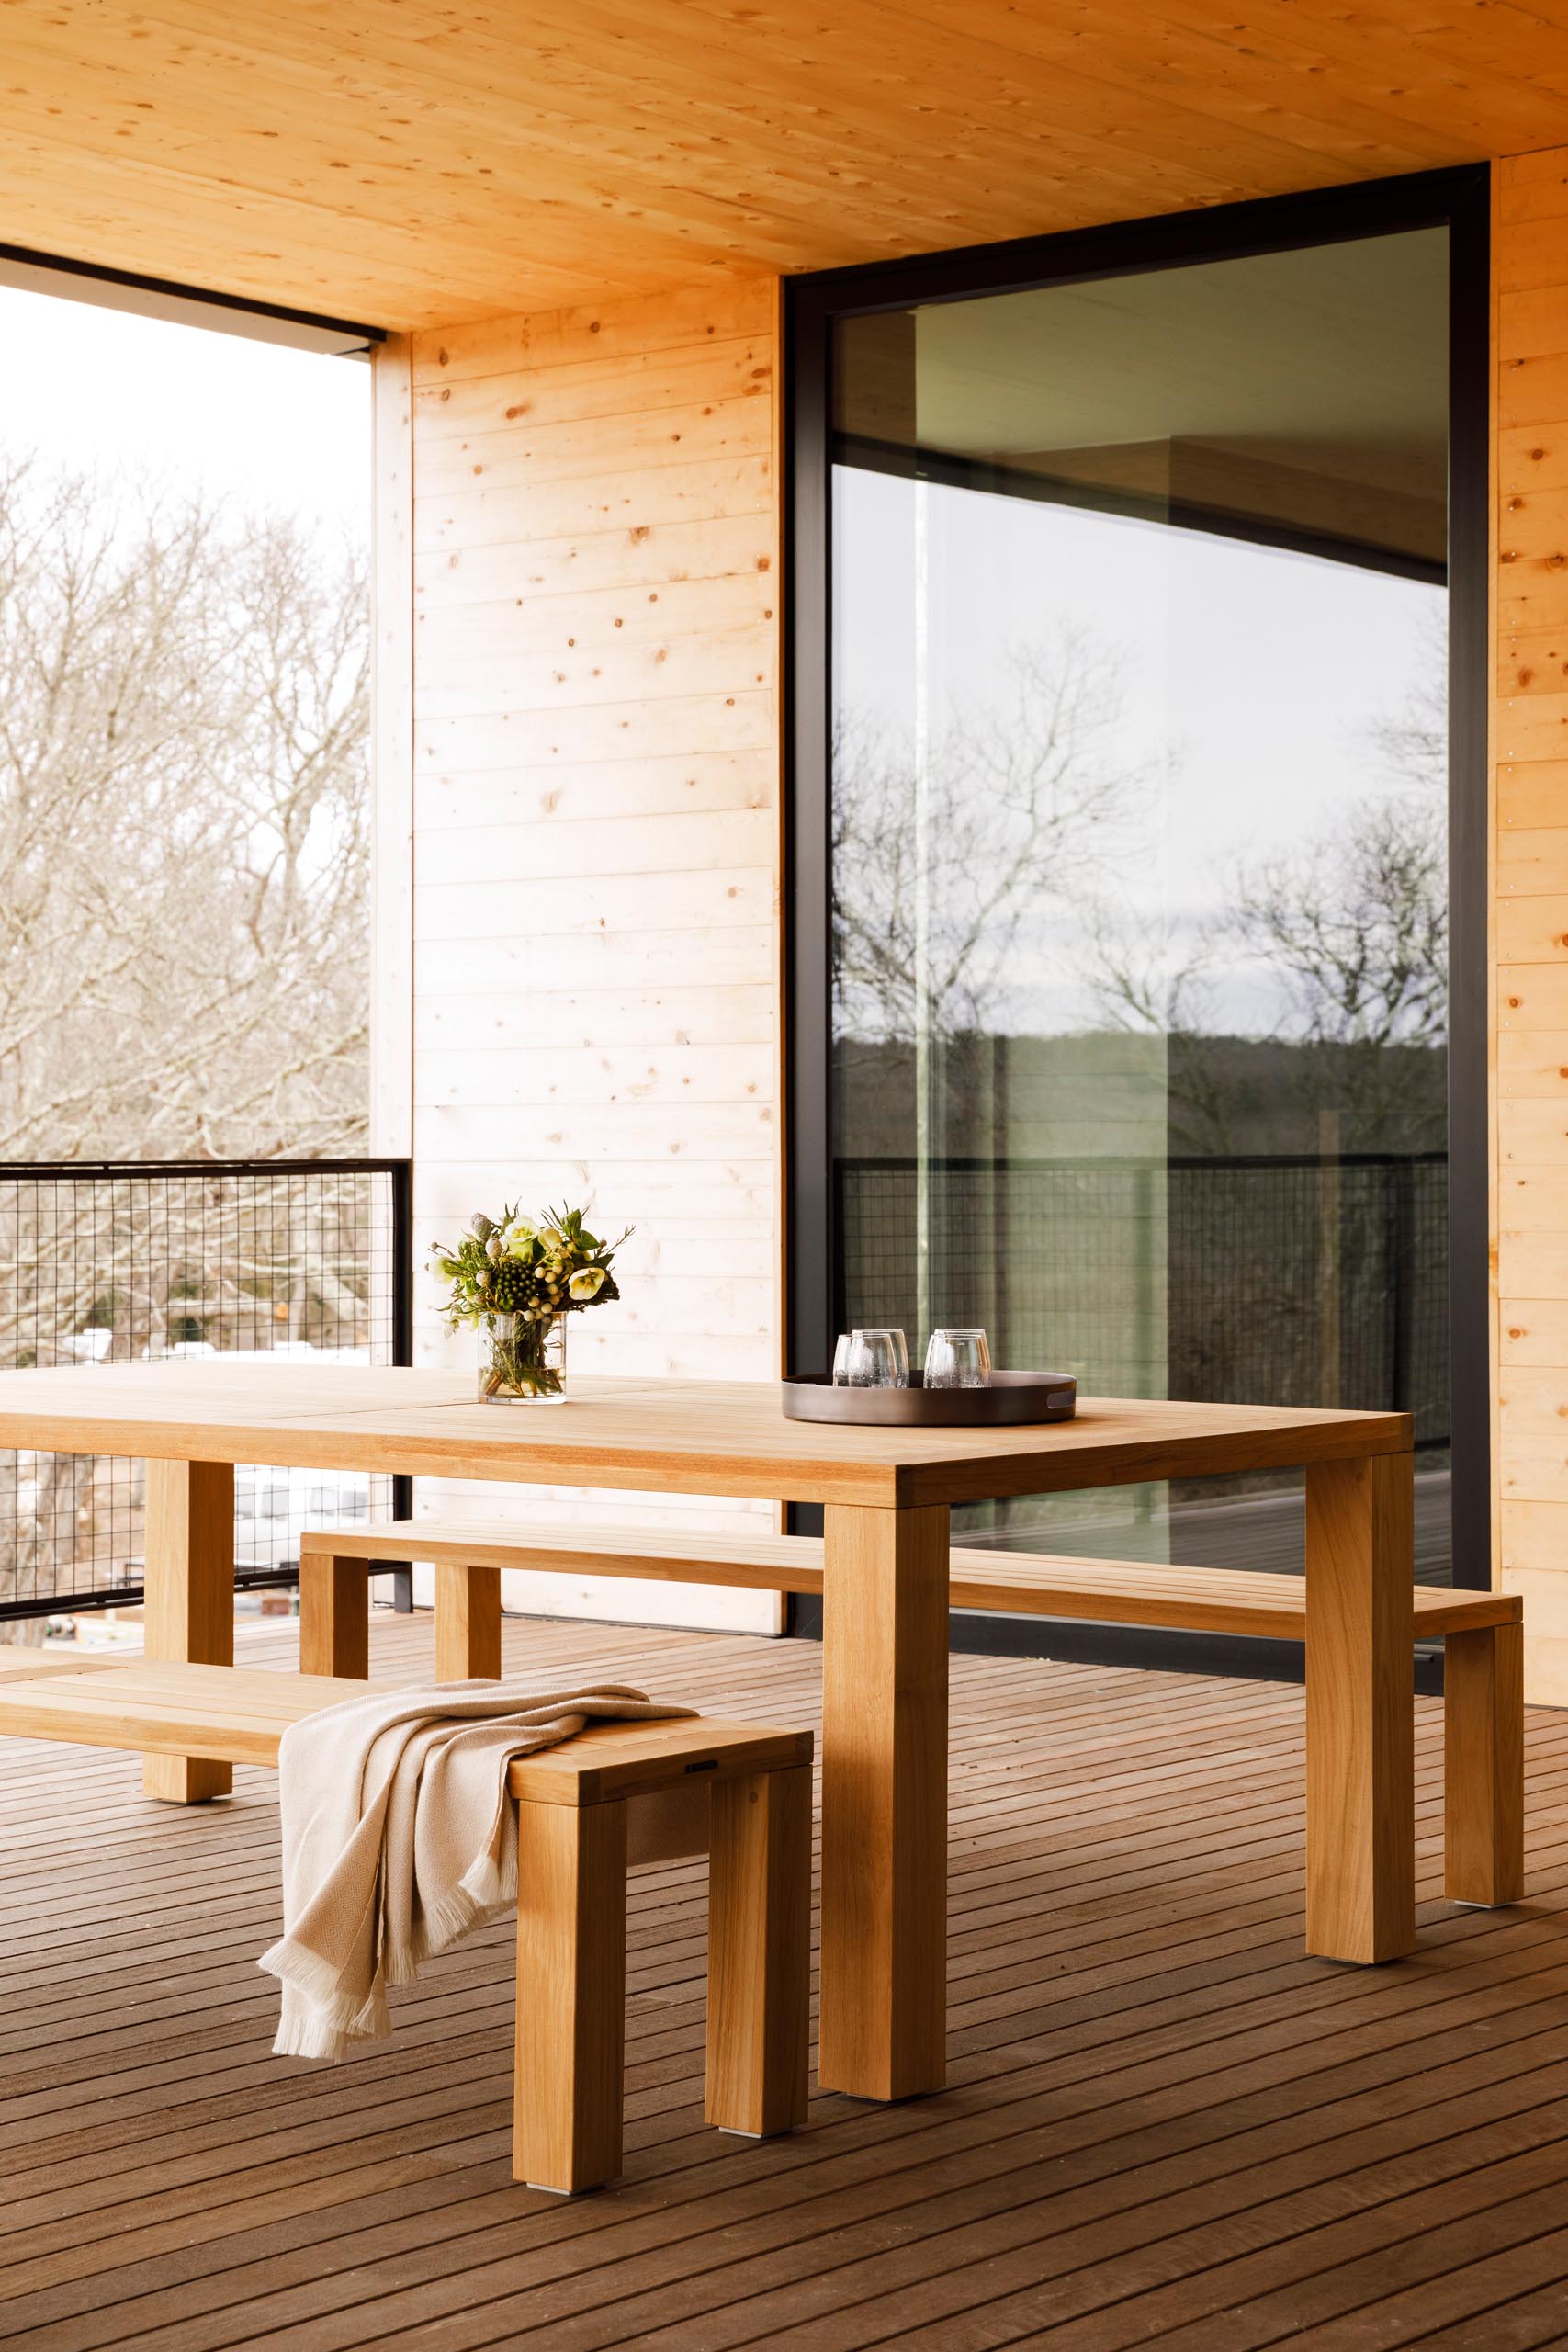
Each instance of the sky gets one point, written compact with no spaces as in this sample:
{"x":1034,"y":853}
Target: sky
{"x":90,"y":388}
{"x":1251,"y":682}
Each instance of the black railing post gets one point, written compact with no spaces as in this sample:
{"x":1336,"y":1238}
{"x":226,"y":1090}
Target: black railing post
{"x":402,"y":1352}
{"x":1402,"y":1245}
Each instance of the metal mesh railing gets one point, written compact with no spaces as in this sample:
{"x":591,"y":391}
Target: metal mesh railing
{"x":124,"y":1263}
{"x":1290,"y":1282}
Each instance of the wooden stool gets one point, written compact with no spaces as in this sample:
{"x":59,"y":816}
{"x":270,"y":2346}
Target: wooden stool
{"x":616,"y":1794}
{"x":639,"y":1792}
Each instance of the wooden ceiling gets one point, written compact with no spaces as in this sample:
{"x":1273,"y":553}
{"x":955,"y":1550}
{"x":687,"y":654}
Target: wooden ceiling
{"x":409,"y":163}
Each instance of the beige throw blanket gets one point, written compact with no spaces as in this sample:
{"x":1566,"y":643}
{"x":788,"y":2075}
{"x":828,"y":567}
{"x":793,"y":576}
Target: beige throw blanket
{"x":397,"y":1836}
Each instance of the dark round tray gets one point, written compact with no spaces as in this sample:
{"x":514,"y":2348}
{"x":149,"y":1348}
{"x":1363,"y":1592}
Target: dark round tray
{"x":1014,"y":1399}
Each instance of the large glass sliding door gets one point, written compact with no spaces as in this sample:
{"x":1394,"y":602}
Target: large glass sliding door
{"x":1135,"y":884}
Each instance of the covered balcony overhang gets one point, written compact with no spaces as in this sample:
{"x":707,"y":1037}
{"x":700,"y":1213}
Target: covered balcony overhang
{"x":421,"y":166}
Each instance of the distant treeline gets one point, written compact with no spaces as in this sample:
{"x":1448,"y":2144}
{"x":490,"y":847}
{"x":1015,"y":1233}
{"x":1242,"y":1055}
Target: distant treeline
{"x":1127,"y":1094}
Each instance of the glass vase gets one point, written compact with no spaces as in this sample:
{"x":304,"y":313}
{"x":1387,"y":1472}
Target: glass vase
{"x":522,"y":1363}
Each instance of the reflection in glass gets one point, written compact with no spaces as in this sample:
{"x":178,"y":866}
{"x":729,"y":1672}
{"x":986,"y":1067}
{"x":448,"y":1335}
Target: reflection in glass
{"x":1140,"y":850}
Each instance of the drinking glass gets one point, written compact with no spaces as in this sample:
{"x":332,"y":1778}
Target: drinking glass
{"x":879,"y":1360}
{"x":958,"y":1360}
{"x":841,"y":1362}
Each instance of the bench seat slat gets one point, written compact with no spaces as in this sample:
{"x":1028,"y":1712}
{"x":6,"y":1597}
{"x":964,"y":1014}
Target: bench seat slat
{"x":238,"y":1716}
{"x":228,"y":1715}
{"x":1127,"y":1593}
{"x":31,"y":1666}
{"x":619,"y":1759}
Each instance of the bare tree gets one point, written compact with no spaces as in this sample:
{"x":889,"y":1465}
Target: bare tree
{"x":183,"y":902}
{"x":1145,"y":977}
{"x":184,"y":855}
{"x":941,"y":862}
{"x":1356,"y":927}
{"x":1153,"y":980}
{"x":1413,"y":741}
{"x":1355,"y":924}
{"x":1351,"y":926}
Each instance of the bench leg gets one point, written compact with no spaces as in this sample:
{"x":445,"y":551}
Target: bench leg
{"x":334,"y":1615}
{"x":468,"y":1624}
{"x":189,"y":1616}
{"x":1484,"y":1765}
{"x":758,"y":1950}
{"x":1360,"y":1638}
{"x":572,"y":1995}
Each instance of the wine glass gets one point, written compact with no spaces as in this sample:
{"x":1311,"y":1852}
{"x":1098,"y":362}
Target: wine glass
{"x":958,"y":1360}
{"x":879,"y":1360}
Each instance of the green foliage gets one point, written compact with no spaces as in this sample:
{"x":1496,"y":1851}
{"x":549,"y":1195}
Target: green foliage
{"x":512,"y":1265}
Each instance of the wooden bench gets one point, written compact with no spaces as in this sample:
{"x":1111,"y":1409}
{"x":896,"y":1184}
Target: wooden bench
{"x":617,"y":1794}
{"x":1483,"y":1632}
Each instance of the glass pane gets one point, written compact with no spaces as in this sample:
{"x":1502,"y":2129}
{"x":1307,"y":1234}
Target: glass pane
{"x":1140,"y":849}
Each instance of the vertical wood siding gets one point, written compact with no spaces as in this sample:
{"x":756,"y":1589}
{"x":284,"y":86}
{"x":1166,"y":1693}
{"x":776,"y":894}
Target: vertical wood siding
{"x":596,"y":823}
{"x":1531,"y":901}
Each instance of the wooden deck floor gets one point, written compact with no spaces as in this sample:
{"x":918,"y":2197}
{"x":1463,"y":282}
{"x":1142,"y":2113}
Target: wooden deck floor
{"x":1164,"y":2125}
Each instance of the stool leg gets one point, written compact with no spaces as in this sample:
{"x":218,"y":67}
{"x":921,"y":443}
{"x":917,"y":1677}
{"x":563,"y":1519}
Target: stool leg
{"x":758,"y":1950}
{"x":572,"y":1995}
{"x":334,"y":1615}
{"x":1484,"y":1765}
{"x":468,"y":1624}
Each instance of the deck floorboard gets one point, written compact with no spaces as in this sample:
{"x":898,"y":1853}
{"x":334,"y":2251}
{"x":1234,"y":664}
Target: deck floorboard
{"x":1164,"y":2124}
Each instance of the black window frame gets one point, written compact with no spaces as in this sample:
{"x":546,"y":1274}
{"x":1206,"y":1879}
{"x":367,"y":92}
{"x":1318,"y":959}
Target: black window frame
{"x":1458,"y":199}
{"x":185,"y":306}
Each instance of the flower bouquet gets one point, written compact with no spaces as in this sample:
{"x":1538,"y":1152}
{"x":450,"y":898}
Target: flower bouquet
{"x":518,"y":1281}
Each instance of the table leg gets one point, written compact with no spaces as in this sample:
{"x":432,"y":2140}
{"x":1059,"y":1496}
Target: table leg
{"x":189,"y":1578}
{"x":884,"y":2025}
{"x":1360,"y":1633}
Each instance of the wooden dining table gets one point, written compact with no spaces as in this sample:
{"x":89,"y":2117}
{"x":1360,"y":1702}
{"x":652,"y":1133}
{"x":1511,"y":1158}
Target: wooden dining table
{"x":887,"y":1496}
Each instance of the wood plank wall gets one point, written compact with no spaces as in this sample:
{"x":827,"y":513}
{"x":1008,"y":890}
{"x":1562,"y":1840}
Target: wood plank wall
{"x":595,"y":809}
{"x":1531,"y":900}
{"x":596,"y":825}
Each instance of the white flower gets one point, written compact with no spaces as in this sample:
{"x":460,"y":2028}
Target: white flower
{"x":587,"y":1283}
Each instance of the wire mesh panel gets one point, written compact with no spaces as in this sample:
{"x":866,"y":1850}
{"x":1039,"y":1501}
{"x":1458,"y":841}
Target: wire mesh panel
{"x":127,"y":1264}
{"x":1309,"y":1282}
{"x":1314,"y":1283}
